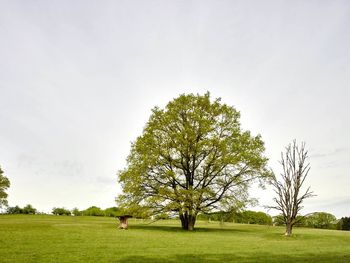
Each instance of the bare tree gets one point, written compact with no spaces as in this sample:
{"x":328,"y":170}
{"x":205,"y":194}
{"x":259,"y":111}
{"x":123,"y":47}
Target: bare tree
{"x":288,"y":188}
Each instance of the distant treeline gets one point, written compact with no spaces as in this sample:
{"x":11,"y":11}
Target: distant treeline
{"x":28,"y":209}
{"x":91,"y":211}
{"x":318,"y":220}
{"x":315,"y":220}
{"x":245,"y":217}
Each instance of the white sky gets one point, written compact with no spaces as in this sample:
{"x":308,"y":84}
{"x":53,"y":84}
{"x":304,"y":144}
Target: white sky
{"x":78,"y":80}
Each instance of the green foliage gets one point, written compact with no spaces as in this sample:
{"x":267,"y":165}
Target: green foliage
{"x":136,"y":210}
{"x":76,"y":212}
{"x":96,"y":211}
{"x":315,"y":220}
{"x":344,"y":223}
{"x":280,"y":221}
{"x":162,"y":216}
{"x":192,"y":157}
{"x":14,"y":210}
{"x":29,"y":209}
{"x":321,"y":220}
{"x":216,"y":216}
{"x":93,"y":211}
{"x":244,"y":217}
{"x":4,"y":185}
{"x":61,"y":211}
{"x":253,"y":217}
{"x":112,"y":211}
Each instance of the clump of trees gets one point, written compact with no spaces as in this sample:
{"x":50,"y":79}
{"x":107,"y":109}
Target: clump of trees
{"x":14,"y":210}
{"x":97,"y":211}
{"x":4,"y":185}
{"x":288,"y":186}
{"x":91,"y":211}
{"x":28,"y":209}
{"x":344,"y":223}
{"x":253,"y":217}
{"x":192,"y":157}
{"x":61,"y":211}
{"x":321,"y":220}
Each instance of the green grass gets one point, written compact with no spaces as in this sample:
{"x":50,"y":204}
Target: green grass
{"x":38,"y":238}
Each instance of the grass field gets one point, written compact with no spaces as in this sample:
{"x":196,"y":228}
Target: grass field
{"x":25,"y":238}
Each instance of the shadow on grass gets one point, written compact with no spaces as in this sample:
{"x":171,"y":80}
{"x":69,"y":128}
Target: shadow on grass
{"x":179,"y":229}
{"x":252,"y":257}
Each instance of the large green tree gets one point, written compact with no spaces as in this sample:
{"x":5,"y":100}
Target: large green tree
{"x":4,"y":185}
{"x":192,"y":157}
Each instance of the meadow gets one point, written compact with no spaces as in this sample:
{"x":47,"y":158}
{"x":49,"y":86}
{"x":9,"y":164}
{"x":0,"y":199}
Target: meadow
{"x":44,"y":238}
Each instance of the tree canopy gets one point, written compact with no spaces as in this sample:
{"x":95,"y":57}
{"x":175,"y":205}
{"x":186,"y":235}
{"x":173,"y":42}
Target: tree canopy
{"x":321,"y":220}
{"x":192,"y":156}
{"x":4,"y":185}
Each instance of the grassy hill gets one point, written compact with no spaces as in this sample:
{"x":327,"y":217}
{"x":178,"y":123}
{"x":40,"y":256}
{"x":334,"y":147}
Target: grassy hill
{"x":36,"y":238}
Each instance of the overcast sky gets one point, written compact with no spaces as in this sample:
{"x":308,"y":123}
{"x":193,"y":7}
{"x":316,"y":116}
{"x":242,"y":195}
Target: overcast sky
{"x":78,"y":80}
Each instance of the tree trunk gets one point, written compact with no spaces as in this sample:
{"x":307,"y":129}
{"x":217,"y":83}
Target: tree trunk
{"x":187,"y":221}
{"x":184,"y":221}
{"x":123,"y":222}
{"x":289,"y":227}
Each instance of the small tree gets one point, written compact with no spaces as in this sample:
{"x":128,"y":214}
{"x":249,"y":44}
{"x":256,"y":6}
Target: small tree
{"x":4,"y":184}
{"x":288,"y":187}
